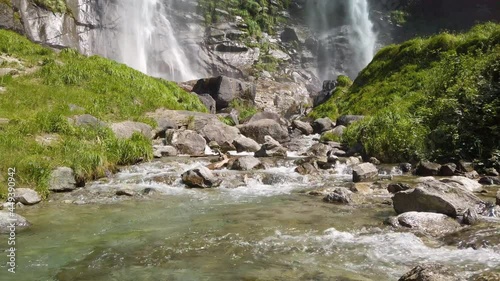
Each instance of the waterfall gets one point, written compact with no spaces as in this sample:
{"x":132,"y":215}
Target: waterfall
{"x":346,"y":40}
{"x":140,"y":34}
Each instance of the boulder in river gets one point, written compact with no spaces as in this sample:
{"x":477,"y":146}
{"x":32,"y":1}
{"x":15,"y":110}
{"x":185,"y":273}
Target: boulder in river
{"x":257,"y":130}
{"x":397,"y":187}
{"x":164,"y":151}
{"x":62,"y":179}
{"x":304,"y":127}
{"x":364,"y":172}
{"x":437,"y":197}
{"x":431,"y":272}
{"x":469,"y":184}
{"x":27,"y":196}
{"x":242,"y":143}
{"x":447,"y":170}
{"x":186,"y":142}
{"x":200,"y":177}
{"x":321,"y":125}
{"x":339,"y":195}
{"x":7,"y":218}
{"x":271,"y":148}
{"x":429,"y":223}
{"x":221,"y":133}
{"x":425,"y":169}
{"x":245,"y":163}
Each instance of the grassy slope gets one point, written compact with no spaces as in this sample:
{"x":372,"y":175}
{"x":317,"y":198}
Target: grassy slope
{"x":434,"y":97}
{"x":40,"y":102}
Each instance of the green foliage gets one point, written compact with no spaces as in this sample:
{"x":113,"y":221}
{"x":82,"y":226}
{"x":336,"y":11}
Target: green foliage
{"x":333,"y":106}
{"x":329,"y":136}
{"x":57,"y":6}
{"x":64,"y":84}
{"x":449,"y":83}
{"x":399,"y":17}
{"x":245,"y":108}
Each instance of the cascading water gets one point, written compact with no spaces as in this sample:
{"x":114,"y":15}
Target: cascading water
{"x":346,"y":40}
{"x":140,"y":34}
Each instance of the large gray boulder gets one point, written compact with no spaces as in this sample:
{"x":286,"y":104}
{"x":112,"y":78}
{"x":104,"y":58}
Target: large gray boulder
{"x":364,"y":172}
{"x":266,"y":127}
{"x":200,"y":177}
{"x":164,"y":151}
{"x":220,"y":133}
{"x":126,"y":129}
{"x":304,"y":127}
{"x":242,"y":143}
{"x":27,"y":196}
{"x":346,"y":120}
{"x":322,"y":125}
{"x":340,"y":195}
{"x":266,"y":115}
{"x":436,"y":197}
{"x":245,"y":163}
{"x":429,"y":223}
{"x":186,"y":142}
{"x":208,"y":102}
{"x":8,"y":218}
{"x":62,"y":179}
{"x":426,"y":169}
{"x":470,"y":185}
{"x":271,"y":148}
{"x":224,"y":90}
{"x":431,"y":272}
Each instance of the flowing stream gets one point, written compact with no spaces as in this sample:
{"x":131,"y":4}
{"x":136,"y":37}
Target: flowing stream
{"x":258,"y":225}
{"x":347,"y":41}
{"x":140,"y":34}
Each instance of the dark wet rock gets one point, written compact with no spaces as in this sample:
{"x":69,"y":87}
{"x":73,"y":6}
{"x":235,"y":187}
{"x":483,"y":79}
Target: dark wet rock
{"x":339,"y":195}
{"x":8,"y":218}
{"x":482,"y":235}
{"x":447,"y":170}
{"x":62,"y":179}
{"x":200,"y":178}
{"x":497,"y":198}
{"x":26,"y":196}
{"x":243,"y":143}
{"x":271,"y":148}
{"x":364,"y":172}
{"x":289,"y":35}
{"x":257,"y":130}
{"x":304,"y":127}
{"x":224,"y":90}
{"x":164,"y":151}
{"x":397,"y":187}
{"x":465,"y":167}
{"x":322,"y":125}
{"x":489,"y":180}
{"x":437,"y":197}
{"x":431,"y":272}
{"x":426,"y":169}
{"x":125,"y":192}
{"x":126,"y":129}
{"x":273,"y":179}
{"x":346,"y":120}
{"x":429,"y":223}
{"x":186,"y":142}
{"x":405,"y":167}
{"x":246,"y":163}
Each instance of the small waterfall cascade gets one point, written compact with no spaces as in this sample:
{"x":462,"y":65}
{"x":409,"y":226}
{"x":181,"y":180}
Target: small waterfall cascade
{"x":346,"y":41}
{"x":140,"y":34}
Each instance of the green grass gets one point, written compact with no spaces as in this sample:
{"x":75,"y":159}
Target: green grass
{"x":66,"y":84}
{"x":57,"y":6}
{"x":331,"y":108}
{"x":448,"y":84}
{"x":245,"y":108}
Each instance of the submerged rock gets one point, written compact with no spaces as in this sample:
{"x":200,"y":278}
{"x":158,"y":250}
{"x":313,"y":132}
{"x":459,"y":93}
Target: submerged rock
{"x":431,"y":272}
{"x":200,"y":177}
{"x":437,"y":197}
{"x":339,"y":195}
{"x":27,"y":196}
{"x":429,"y":223}
{"x":62,"y":179}
{"x":482,"y":235}
{"x":8,"y":218}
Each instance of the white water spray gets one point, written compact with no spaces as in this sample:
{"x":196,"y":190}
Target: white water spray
{"x":345,"y":33}
{"x":140,"y":34}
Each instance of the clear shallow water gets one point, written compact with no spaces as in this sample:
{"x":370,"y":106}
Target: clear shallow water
{"x":252,"y":232}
